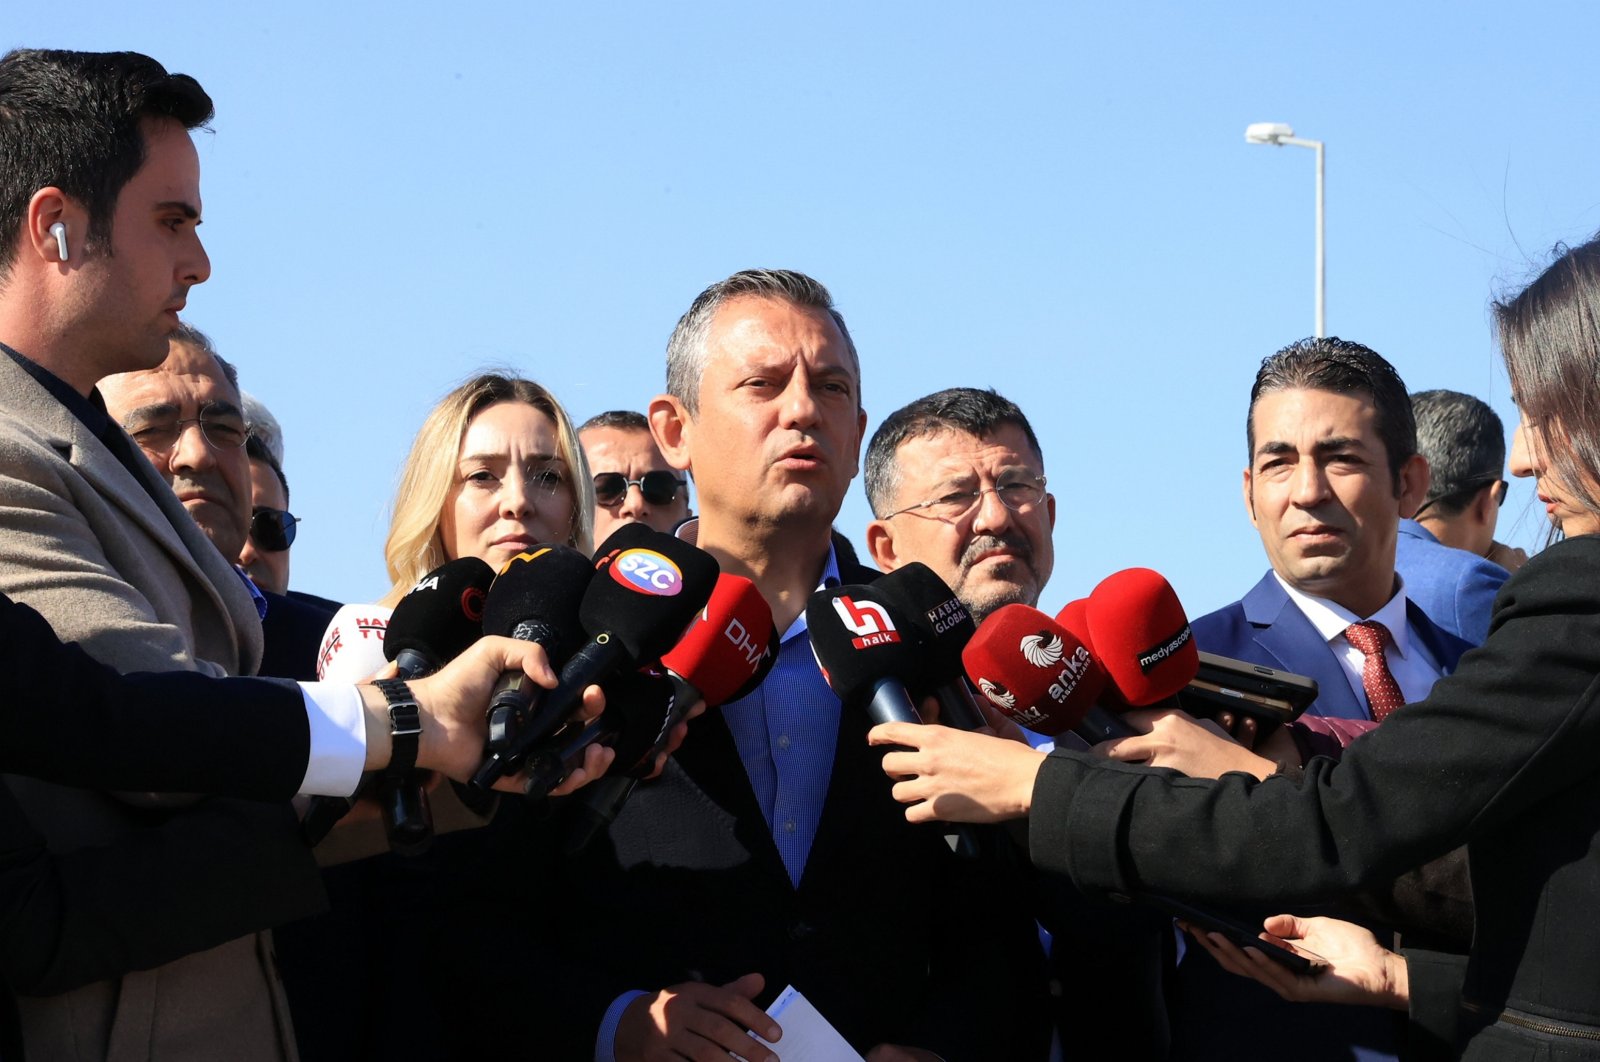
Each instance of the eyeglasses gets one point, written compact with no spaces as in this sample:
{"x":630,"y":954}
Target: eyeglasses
{"x":658,"y":488}
{"x":272,"y":529}
{"x":1015,"y":494}
{"x":1498,"y":493}
{"x":221,"y":426}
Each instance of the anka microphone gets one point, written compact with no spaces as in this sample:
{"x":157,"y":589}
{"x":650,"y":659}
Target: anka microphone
{"x":723,"y":656}
{"x":941,"y":627}
{"x":1035,"y":671}
{"x":1141,"y":636}
{"x":647,"y":586}
{"x":534,"y":599}
{"x":352,"y":646}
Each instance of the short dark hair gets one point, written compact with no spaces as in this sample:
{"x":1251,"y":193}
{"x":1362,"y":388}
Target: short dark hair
{"x":1328,"y":363}
{"x":73,"y":120}
{"x":191,"y":336}
{"x":618,"y":420}
{"x":1465,"y":445}
{"x":686,"y":349}
{"x":257,"y":450}
{"x":966,"y":409}
{"x":1550,"y":335}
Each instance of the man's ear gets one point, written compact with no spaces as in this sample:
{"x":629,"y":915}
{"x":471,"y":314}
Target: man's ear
{"x":881,"y":547}
{"x":673,"y":428}
{"x":1415,"y":475}
{"x":47,"y":207}
{"x":1249,"y":500}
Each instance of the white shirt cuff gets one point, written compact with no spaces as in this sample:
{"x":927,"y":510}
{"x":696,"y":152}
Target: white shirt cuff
{"x":338,"y":738}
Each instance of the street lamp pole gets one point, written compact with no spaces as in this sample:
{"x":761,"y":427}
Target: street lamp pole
{"x":1279,"y":134}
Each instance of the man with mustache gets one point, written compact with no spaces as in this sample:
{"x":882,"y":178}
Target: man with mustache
{"x":956,"y":481}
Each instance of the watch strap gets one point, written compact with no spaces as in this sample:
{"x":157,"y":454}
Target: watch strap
{"x":405,"y":725}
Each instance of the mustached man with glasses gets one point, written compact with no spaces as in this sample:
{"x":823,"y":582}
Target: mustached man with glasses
{"x":633,"y":484}
{"x":186,"y":416}
{"x":1447,"y":554}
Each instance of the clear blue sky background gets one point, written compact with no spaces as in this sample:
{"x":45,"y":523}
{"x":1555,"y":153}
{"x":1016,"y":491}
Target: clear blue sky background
{"x":1054,"y":200}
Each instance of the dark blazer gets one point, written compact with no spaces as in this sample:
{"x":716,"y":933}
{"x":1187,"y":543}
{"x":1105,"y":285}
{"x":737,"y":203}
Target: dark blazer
{"x":1455,"y":588}
{"x":292,"y":634}
{"x":888,"y":933}
{"x":1501,"y":756}
{"x":1266,"y":627}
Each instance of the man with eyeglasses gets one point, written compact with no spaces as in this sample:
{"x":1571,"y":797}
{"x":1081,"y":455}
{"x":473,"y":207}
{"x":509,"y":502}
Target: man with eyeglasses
{"x":956,"y":481}
{"x":633,"y":484}
{"x":1447,"y":553}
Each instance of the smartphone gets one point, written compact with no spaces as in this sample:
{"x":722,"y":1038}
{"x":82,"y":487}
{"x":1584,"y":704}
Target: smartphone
{"x":1269,"y":696}
{"x":1298,"y":961}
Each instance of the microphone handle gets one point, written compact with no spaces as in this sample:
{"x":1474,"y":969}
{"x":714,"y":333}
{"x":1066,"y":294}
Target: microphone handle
{"x":597,"y":809}
{"x":892,"y":704}
{"x":957,"y":708}
{"x":407,"y":815}
{"x":515,"y":694}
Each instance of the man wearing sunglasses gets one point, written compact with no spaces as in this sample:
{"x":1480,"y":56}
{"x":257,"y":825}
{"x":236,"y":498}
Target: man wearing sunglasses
{"x":265,"y":556}
{"x":633,"y":484}
{"x":1447,"y":553}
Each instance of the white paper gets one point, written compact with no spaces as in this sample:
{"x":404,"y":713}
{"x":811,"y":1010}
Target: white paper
{"x":807,"y":1035}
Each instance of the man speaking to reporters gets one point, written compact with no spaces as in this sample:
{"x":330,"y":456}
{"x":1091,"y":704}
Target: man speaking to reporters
{"x":769,"y":851}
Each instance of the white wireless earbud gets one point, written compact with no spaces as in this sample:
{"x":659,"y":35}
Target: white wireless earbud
{"x":59,"y":231}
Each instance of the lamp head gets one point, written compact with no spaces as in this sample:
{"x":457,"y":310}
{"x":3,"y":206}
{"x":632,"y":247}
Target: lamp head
{"x":1267,"y":132}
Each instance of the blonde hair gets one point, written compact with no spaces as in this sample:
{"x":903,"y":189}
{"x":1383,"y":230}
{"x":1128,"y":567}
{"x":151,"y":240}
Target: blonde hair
{"x":415,"y":546}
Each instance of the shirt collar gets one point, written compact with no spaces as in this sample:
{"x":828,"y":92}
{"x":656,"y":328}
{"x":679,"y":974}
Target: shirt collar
{"x":689,"y":531}
{"x":91,"y":411}
{"x":1330,"y":619}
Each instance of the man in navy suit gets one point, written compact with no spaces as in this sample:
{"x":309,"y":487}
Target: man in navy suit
{"x":1333,"y":469}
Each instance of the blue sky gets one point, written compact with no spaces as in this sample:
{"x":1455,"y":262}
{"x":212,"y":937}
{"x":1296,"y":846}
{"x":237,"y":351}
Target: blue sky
{"x":1053,"y":200}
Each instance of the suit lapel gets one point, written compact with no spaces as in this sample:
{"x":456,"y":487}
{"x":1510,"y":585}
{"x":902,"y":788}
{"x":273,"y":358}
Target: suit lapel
{"x":711,"y":760}
{"x":1283,"y":631}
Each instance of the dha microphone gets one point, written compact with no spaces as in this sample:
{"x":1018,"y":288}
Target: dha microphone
{"x":1141,"y":636}
{"x":646,"y":588}
{"x":352,"y":646}
{"x":941,"y":627}
{"x":723,"y":656}
{"x":534,"y":599}
{"x":1035,"y":671}
{"x":433,"y":624}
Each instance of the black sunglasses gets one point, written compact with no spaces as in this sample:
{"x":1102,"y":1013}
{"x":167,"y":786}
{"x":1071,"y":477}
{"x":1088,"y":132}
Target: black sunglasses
{"x":658,"y":488}
{"x":272,"y":529}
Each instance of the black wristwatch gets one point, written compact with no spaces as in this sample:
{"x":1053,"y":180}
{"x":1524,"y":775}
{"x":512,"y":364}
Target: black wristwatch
{"x":405,"y":725}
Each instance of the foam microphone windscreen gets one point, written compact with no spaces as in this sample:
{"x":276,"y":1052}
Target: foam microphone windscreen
{"x":440,"y":618}
{"x":352,"y":646}
{"x":941,"y":623}
{"x":1141,"y":636}
{"x":858,"y":641}
{"x":1033,"y":669}
{"x":1073,"y":616}
{"x":730,"y":641}
{"x":647,"y":587}
{"x":535,"y":599}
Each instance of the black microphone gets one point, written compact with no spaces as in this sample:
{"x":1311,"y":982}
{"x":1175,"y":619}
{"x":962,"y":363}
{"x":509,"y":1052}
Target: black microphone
{"x":641,"y":706}
{"x":941,"y":627}
{"x":647,"y":587}
{"x":437,"y":620}
{"x":433,"y":624}
{"x":865,"y":655}
{"x":534,"y":599}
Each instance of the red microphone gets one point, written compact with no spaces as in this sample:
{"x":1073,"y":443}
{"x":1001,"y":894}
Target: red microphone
{"x":1141,"y":636}
{"x":1033,"y":669}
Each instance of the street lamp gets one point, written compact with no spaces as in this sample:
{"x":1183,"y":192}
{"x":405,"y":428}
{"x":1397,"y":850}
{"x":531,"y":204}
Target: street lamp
{"x":1280,"y":134}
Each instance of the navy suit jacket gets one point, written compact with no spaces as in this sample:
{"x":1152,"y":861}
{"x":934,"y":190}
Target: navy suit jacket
{"x":1455,"y":588}
{"x":1216,"y":1015}
{"x":1266,"y":627}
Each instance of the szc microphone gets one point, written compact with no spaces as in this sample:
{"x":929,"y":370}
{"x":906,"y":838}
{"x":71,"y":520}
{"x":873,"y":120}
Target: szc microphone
{"x":534,"y":599}
{"x":723,"y":656}
{"x":941,"y":627}
{"x":646,"y":588}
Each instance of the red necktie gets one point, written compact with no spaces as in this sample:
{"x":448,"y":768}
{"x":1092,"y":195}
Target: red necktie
{"x":1383,"y":692}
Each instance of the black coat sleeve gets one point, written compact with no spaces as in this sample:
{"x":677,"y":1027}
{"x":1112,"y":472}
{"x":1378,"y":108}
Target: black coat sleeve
{"x":1515,"y":725}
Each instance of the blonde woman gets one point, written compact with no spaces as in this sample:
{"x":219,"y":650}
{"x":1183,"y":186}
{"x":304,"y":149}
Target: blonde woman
{"x":495,"y":468}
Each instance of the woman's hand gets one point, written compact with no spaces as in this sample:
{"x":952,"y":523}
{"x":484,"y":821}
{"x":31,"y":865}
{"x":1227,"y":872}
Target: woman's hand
{"x":1359,"y":970}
